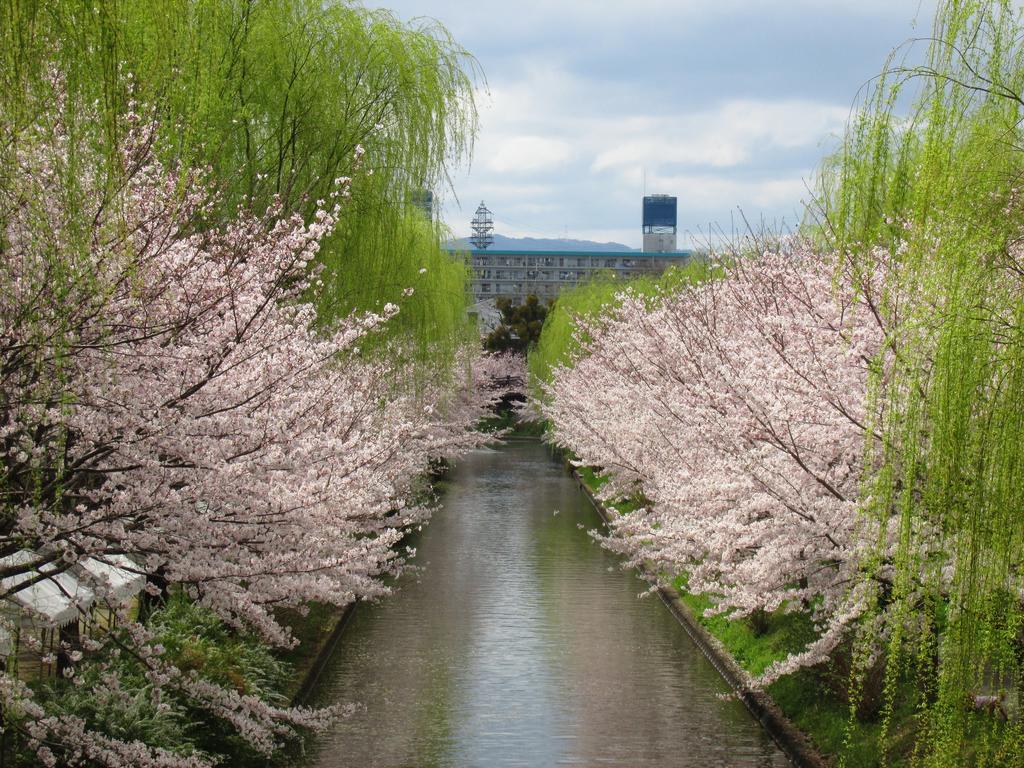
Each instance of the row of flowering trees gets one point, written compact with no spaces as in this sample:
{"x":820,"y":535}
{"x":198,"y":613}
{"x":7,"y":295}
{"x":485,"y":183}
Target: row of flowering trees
{"x":228,"y":345}
{"x":748,"y":420}
{"x":735,"y":408}
{"x":168,"y":394}
{"x":834,"y":426}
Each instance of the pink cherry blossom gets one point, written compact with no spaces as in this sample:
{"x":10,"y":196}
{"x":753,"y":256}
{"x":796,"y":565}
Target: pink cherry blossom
{"x":736,"y":411}
{"x":165,"y":397}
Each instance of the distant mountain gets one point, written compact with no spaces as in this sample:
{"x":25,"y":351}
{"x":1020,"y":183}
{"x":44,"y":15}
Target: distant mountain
{"x":502,"y":243}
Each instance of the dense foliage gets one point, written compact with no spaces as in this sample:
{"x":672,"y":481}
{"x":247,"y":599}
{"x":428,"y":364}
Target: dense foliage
{"x":520,"y":326}
{"x":112,"y":692}
{"x":274,"y":97}
{"x":168,"y":397}
{"x":735,"y":408}
{"x":940,"y":188}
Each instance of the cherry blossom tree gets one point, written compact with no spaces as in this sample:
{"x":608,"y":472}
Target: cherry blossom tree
{"x":164,"y":397}
{"x":735,"y":409}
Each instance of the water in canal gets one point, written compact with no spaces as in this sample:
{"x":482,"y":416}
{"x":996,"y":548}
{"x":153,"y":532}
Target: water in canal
{"x":520,"y":642}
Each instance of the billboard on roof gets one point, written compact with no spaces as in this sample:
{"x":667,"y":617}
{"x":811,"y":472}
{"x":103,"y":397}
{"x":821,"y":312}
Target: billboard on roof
{"x":659,"y":211}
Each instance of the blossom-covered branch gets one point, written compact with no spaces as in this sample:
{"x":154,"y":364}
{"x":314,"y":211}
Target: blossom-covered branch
{"x":165,"y":397}
{"x":736,"y":409}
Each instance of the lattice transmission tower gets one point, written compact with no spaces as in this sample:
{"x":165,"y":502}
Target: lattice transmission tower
{"x":483,"y":227}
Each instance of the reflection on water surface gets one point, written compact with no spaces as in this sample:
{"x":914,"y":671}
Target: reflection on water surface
{"x":520,"y":643}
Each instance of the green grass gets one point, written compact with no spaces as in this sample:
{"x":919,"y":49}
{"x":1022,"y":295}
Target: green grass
{"x":591,"y":479}
{"x":783,"y":633}
{"x":808,"y":698}
{"x":826,"y":720}
{"x":594,"y":481}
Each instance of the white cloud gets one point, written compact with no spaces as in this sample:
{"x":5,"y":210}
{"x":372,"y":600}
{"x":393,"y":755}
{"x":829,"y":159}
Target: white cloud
{"x":548,"y":117}
{"x":490,"y":185}
{"x":715,"y":192}
{"x":547,"y":170}
{"x":585,"y":94}
{"x":542,"y":91}
{"x":528,"y":17}
{"x":524,"y":153}
{"x":723,"y":137}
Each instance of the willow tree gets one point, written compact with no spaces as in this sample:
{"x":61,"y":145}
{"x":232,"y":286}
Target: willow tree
{"x":929,"y":197}
{"x":275,"y":96}
{"x":560,"y":343}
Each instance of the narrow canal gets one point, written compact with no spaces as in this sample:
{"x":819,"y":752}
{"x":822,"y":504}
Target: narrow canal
{"x":520,"y":643}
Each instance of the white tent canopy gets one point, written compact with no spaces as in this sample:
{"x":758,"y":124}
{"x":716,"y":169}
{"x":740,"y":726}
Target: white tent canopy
{"x":7,"y":644}
{"x":55,"y":600}
{"x":115,"y":576}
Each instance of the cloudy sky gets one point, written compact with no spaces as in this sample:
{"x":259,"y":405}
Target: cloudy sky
{"x":727,"y":104}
